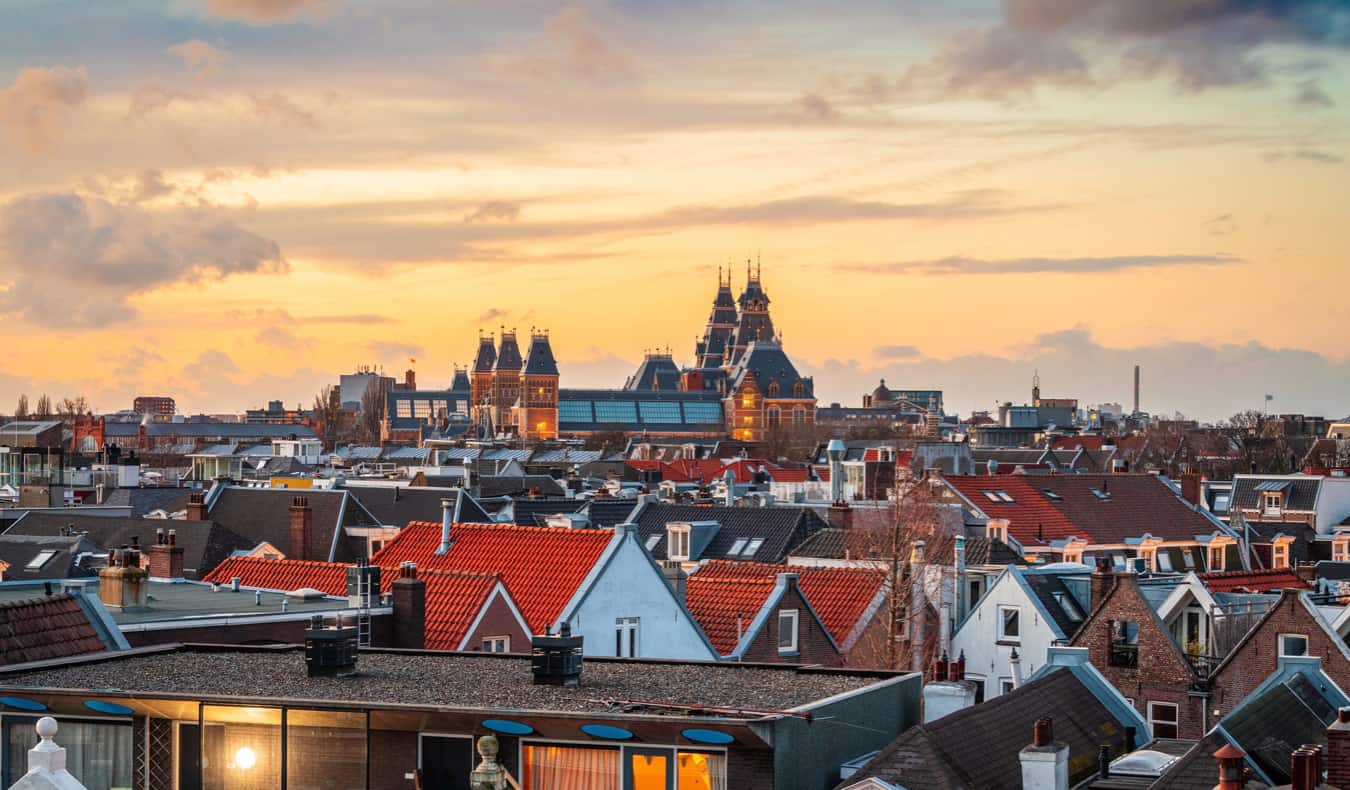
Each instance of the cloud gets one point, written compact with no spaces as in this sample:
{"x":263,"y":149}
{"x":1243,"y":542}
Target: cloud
{"x":494,"y":211}
{"x":962,"y":265}
{"x":492,"y":314}
{"x":266,"y":12}
{"x":572,"y":46}
{"x":1222,"y":225}
{"x":1310,"y":94}
{"x":895,"y":352}
{"x":68,"y":259}
{"x":132,"y":364}
{"x":1175,"y":376}
{"x":41,"y":101}
{"x":353,"y":318}
{"x":997,"y":63}
{"x":279,"y":108}
{"x":210,"y":367}
{"x":816,"y":107}
{"x":1306,"y":155}
{"x":200,"y":58}
{"x":384,"y":349}
{"x":152,"y":96}
{"x":282,"y":337}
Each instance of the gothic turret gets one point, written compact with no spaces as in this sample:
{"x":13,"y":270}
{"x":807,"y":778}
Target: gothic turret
{"x":754,"y":324}
{"x":537,"y":409}
{"x":710,"y":351}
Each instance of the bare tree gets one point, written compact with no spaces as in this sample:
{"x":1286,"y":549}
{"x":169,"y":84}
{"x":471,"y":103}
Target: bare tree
{"x":21,"y":410}
{"x":374,"y":403}
{"x":327,"y":412}
{"x":70,"y":408}
{"x":44,"y":406}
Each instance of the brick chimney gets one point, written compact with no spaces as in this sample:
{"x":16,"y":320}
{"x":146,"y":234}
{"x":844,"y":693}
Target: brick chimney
{"x":841,"y":515}
{"x":677,"y":579}
{"x":1232,"y":772}
{"x":123,"y":583}
{"x":1045,"y":763}
{"x":1190,"y":488}
{"x":302,"y":529}
{"x":410,"y":379}
{"x":410,"y":608}
{"x":1338,"y":750}
{"x":1305,"y":767}
{"x":166,"y":556}
{"x":196,"y":506}
{"x":1103,"y":579}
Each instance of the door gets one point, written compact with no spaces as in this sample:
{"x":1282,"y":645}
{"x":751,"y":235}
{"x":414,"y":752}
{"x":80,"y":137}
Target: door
{"x":189,"y":755}
{"x":648,"y":769}
{"x":446,"y":762}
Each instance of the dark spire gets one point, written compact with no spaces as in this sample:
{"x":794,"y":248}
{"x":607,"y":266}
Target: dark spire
{"x":487,"y":354}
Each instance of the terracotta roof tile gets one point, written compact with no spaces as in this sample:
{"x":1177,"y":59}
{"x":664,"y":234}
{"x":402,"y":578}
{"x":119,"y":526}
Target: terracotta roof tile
{"x":453,"y":600}
{"x":541,"y":566}
{"x":1254,"y":581}
{"x":1029,"y":515}
{"x":37,"y":629}
{"x":725,"y":606}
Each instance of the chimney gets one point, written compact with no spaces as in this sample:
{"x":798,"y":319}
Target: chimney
{"x":363,"y":584}
{"x":556,"y":660}
{"x":410,"y":379}
{"x":676,"y":578}
{"x":959,"y":563}
{"x":447,"y":516}
{"x":1232,"y":774}
{"x":1103,"y":579}
{"x":834,"y":451}
{"x":196,"y":506}
{"x":1045,"y":763}
{"x":1136,"y":389}
{"x":330,"y":647}
{"x":410,"y":608}
{"x":166,"y":556}
{"x":1338,"y":750}
{"x":840,"y":515}
{"x":1305,"y":767}
{"x":122,"y":585}
{"x":948,"y":691}
{"x":1015,"y":668}
{"x":1190,"y":488}
{"x":302,"y":529}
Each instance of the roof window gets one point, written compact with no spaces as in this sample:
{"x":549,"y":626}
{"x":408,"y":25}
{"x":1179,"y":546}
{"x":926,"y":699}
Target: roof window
{"x":42,"y":558}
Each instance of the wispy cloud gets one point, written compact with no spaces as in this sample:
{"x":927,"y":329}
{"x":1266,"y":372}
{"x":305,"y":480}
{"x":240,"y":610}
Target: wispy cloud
{"x":962,"y":265}
{"x":266,"y":12}
{"x":199,"y":57}
{"x":40,"y":102}
{"x":494,"y":211}
{"x":895,"y":352}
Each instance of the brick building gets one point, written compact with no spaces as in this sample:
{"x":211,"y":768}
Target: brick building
{"x":752,"y":617}
{"x":154,"y":405}
{"x":1134,"y":649}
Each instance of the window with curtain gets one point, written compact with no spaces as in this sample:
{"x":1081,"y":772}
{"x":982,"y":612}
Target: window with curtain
{"x":570,"y":768}
{"x":701,"y":771}
{"x":97,"y":753}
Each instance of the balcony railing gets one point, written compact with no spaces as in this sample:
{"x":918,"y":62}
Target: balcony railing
{"x":1124,"y":655}
{"x":1203,"y":665}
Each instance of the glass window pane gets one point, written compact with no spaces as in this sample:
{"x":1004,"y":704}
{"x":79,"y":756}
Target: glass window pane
{"x":241,"y":748}
{"x":700,"y":771}
{"x":660,"y":412}
{"x":325,"y":749}
{"x":615,"y":411}
{"x":97,"y":753}
{"x":700,"y":413}
{"x":575,"y":411}
{"x":549,"y":767}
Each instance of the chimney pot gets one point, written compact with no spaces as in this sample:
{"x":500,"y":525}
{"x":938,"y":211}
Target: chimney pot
{"x":1042,"y":732}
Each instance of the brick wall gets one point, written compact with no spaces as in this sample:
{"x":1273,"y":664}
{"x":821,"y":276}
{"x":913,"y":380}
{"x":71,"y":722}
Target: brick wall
{"x":813,"y":643}
{"x":1257,"y":656}
{"x":1162,"y":674}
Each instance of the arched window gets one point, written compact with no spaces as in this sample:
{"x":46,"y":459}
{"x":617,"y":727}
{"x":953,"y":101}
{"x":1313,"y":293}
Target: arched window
{"x":773,"y":389}
{"x":799,"y":417}
{"x":799,"y":389}
{"x":774,"y":417}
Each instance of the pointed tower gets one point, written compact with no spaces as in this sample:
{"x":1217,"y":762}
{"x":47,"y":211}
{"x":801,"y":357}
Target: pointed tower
{"x":480,"y":383}
{"x":537,"y":410}
{"x":753,"y":322}
{"x":460,"y":381}
{"x":506,"y":379}
{"x":709,"y":352}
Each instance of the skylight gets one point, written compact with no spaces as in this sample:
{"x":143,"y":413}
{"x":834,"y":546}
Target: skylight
{"x":1100,"y":494}
{"x":752,"y":548}
{"x":1051,"y":495}
{"x":652,"y":540}
{"x":736,"y":547}
{"x":42,"y":558}
{"x":1004,"y":496}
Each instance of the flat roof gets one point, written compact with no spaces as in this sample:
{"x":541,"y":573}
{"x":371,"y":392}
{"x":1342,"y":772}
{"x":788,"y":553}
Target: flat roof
{"x":444,"y":680}
{"x":182,"y":602}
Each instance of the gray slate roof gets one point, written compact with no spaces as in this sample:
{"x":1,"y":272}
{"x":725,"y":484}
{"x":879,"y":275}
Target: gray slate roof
{"x":1300,"y":493}
{"x":781,"y":528}
{"x":205,"y":543}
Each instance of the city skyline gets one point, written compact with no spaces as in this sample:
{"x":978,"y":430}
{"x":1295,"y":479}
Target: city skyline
{"x":234,"y":201}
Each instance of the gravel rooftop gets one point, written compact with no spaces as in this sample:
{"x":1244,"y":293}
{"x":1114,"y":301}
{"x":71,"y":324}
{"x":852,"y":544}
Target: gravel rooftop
{"x":450,"y":680}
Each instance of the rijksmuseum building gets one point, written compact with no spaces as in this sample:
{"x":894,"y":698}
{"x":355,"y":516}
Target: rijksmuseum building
{"x":742,"y":384}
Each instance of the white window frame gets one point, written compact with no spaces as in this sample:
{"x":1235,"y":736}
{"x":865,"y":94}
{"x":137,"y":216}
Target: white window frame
{"x":793,"y":616}
{"x":1271,"y":503}
{"x":626,"y":633}
{"x":1003,"y":636}
{"x":752,"y":548}
{"x":1175,"y":722}
{"x":1279,"y":645}
{"x":677,"y":542}
{"x":1340,"y":550}
{"x":496,"y":644}
{"x":1209,"y":557}
{"x":1279,"y":555}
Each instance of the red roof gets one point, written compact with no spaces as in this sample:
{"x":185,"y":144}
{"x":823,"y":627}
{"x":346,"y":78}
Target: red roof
{"x":725,"y":607}
{"x":1092,"y":442}
{"x":791,"y":475}
{"x":1254,"y":581}
{"x":541,"y":566}
{"x":453,"y":600}
{"x":45,"y":627}
{"x":1029,"y":514}
{"x":840,"y":596}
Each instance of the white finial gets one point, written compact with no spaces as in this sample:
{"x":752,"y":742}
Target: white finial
{"x":46,"y":730}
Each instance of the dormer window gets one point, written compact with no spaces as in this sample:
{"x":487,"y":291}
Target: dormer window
{"x":1279,"y":553}
{"x":1216,"y":558}
{"x":996,"y":531}
{"x":1271,"y":502}
{"x":1340,"y":548}
{"x":773,"y":389}
{"x":799,"y":390}
{"x":677,"y":542}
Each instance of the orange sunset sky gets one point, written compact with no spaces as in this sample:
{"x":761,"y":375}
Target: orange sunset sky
{"x":230,"y":201}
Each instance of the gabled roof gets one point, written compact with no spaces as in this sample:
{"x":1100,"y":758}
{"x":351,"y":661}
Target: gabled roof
{"x":779,"y":529}
{"x":1300,"y":491}
{"x":1258,"y":581}
{"x":1060,"y":599}
{"x":726,"y":608}
{"x":143,"y":500}
{"x":977,"y":748}
{"x":263,"y":515}
{"x":46,"y":627}
{"x":609,"y":512}
{"x":843,"y":598}
{"x":205,"y":544}
{"x":1032,"y":519}
{"x":394,"y":506}
{"x":453,"y":600}
{"x":41,"y":556}
{"x":542,"y":566}
{"x":767,"y":361}
{"x":657,"y":372}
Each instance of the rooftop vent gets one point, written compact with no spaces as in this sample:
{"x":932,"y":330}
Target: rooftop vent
{"x":330,"y":647}
{"x":556,"y":660}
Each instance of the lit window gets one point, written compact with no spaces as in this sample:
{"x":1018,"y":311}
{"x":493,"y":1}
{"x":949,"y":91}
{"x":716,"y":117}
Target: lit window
{"x":736,"y":547}
{"x":626,"y":637}
{"x":787,"y":631}
{"x":1340,"y":550}
{"x":1162,"y":719}
{"x":748,"y":401}
{"x":1293,"y":645}
{"x":1279,"y":555}
{"x":1009,"y":623}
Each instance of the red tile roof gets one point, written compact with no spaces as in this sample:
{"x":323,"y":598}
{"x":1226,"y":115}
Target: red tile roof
{"x":726,"y":606}
{"x":453,"y":600}
{"x":1029,"y":514}
{"x":37,"y":629}
{"x":1254,"y":581}
{"x":840,"y":596}
{"x":541,"y":566}
{"x":1074,"y":442}
{"x":791,"y":475}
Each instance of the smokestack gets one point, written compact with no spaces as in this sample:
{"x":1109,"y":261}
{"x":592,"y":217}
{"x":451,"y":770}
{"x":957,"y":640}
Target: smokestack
{"x":1136,"y":389}
{"x":834,"y":451}
{"x":447,"y":516}
{"x":301,"y":528}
